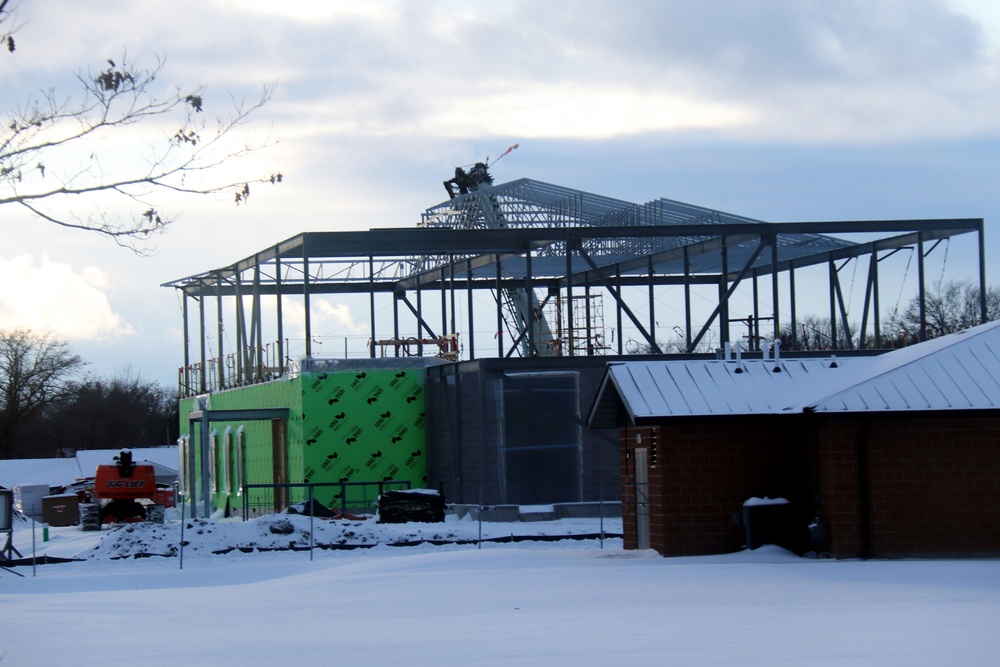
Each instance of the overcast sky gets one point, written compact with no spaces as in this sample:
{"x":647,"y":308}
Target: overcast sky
{"x":774,"y":109}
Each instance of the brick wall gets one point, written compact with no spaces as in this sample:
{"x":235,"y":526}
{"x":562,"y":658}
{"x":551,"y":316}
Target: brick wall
{"x":933,"y":484}
{"x":705,"y":472}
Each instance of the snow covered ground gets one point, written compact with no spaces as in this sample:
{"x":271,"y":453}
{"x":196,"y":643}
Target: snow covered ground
{"x":554,"y":603}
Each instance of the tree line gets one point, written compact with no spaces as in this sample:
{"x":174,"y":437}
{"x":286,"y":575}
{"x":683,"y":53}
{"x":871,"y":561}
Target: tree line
{"x":949,"y":306}
{"x":50,"y":408}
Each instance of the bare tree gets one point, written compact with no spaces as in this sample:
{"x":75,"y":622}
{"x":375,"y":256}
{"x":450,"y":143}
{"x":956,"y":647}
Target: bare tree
{"x":55,"y":151}
{"x":949,"y":307}
{"x":814,"y":332}
{"x":109,"y":413}
{"x":36,"y":371}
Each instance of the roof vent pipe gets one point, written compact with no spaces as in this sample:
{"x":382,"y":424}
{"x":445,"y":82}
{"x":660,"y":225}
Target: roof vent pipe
{"x":729,"y":350}
{"x":765,"y":350}
{"x":739,"y":357}
{"x":833,"y":361}
{"x":777,"y":355}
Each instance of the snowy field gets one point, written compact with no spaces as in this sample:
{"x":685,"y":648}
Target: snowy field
{"x":552,"y":603}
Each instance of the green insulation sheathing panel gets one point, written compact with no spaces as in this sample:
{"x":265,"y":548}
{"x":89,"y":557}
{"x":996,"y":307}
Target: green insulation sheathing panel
{"x":363,"y":426}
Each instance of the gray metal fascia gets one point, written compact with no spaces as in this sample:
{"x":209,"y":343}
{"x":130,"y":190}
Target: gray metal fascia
{"x":859,"y":250}
{"x":410,"y":242}
{"x":251,"y":414}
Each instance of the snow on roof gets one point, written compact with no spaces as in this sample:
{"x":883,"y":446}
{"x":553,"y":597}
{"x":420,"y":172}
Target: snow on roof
{"x":957,"y":371}
{"x":166,"y":457}
{"x":53,"y":472}
{"x":58,"y":472}
{"x":650,"y":389}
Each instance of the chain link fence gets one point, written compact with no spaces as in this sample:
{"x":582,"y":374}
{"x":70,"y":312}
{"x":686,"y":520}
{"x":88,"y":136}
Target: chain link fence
{"x":297,"y":534}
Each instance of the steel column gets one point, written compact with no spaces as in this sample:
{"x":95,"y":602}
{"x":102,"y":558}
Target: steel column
{"x":305,"y":298}
{"x":687,"y":300}
{"x":279,"y":314}
{"x":203,"y":383}
{"x":774,"y":288}
{"x":371,"y":305}
{"x":220,"y":333}
{"x":983,"y":313}
{"x":922,"y":287}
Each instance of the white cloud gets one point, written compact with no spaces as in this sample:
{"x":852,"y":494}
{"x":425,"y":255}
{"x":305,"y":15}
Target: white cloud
{"x":765,"y":108}
{"x":310,"y":11}
{"x":329,"y":320}
{"x":56,"y":297}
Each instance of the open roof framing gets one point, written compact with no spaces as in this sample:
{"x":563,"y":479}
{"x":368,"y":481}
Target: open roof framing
{"x":519,"y":238}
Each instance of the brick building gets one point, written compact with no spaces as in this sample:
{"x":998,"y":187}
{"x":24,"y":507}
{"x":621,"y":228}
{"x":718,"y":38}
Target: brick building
{"x":888,"y":456}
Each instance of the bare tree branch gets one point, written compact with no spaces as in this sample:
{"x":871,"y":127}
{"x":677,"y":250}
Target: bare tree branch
{"x":56,"y":153}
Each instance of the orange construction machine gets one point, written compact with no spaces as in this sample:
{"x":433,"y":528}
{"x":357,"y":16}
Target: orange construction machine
{"x":125,"y":491}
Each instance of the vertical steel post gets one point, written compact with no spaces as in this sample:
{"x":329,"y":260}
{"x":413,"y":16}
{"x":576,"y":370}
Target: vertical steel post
{"x":201,"y":330}
{"x":420,"y":321}
{"x":922,"y":287}
{"x":468,"y":298}
{"x":242,"y":340}
{"x":570,"y":333}
{"x":305,"y":296}
{"x":257,"y":319}
{"x":395,"y":323}
{"x":371,"y":304}
{"x":833,"y":303}
{"x":687,"y":299}
{"x":186,"y":371}
{"x":530,"y":293}
{"x":618,"y":309}
{"x":279,"y":314}
{"x":444,"y":301}
{"x":774,"y":286}
{"x":500,"y":298}
{"x":451,"y":292}
{"x":983,"y":312}
{"x":652,"y":299}
{"x":792,"y":311}
{"x":220,"y":331}
{"x":755,"y":329}
{"x":877,"y":321}
{"x":723,"y":300}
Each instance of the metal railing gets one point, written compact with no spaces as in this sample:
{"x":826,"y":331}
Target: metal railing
{"x":354,"y":502}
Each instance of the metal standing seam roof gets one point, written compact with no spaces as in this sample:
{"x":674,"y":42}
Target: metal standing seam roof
{"x":960,"y":371}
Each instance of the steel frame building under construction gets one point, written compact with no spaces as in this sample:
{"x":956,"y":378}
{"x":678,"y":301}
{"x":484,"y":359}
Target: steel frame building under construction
{"x":528,"y":243}
{"x":547,"y":256}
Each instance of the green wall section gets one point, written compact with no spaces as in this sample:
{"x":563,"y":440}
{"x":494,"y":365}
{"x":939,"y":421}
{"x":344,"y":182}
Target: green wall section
{"x":257,"y":441}
{"x":365,"y":425}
